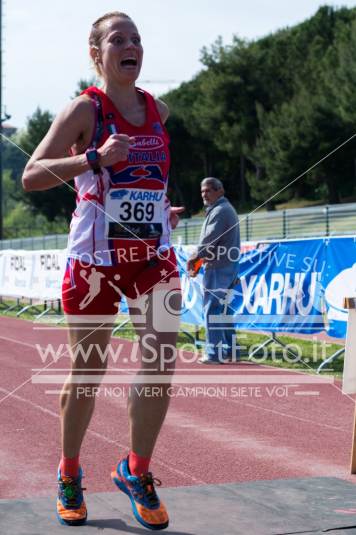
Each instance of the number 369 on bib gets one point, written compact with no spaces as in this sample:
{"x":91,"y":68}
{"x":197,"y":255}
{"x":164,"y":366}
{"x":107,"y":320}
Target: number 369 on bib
{"x":136,"y":207}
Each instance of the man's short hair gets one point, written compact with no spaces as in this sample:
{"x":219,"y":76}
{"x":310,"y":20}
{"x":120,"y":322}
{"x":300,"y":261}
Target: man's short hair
{"x":215,"y":183}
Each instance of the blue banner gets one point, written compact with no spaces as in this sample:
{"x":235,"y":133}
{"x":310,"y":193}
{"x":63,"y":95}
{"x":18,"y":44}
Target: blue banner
{"x":295,"y":286}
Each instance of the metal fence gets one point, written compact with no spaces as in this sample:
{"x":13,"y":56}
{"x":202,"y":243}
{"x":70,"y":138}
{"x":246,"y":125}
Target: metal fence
{"x":332,"y":220}
{"x":34,"y":243}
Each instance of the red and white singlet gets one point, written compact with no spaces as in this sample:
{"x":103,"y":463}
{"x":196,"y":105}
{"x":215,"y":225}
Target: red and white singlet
{"x":122,"y":214}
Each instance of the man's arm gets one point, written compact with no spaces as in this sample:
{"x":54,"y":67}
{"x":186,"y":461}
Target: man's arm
{"x":214,"y":229}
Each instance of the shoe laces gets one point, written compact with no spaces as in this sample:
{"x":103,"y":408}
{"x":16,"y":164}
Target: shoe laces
{"x":147,"y":482}
{"x":71,"y":489}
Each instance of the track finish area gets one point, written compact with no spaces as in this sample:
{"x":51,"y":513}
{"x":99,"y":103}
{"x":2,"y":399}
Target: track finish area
{"x":266,"y":424}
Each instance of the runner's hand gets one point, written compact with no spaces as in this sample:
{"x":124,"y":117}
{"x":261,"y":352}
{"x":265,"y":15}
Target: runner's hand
{"x":173,"y":215}
{"x":115,"y":149}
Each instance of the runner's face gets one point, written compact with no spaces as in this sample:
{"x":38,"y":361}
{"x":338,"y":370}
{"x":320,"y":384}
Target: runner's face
{"x":209,"y":194}
{"x":121,"y":51}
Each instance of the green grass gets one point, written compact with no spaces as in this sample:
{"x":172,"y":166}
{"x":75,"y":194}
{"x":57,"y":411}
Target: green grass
{"x":299,"y":203}
{"x":311,"y":353}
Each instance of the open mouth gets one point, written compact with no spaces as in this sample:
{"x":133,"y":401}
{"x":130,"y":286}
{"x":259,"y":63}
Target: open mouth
{"x":129,"y":62}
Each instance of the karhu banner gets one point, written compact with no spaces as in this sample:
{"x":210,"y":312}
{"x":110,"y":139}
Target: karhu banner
{"x":295,"y":286}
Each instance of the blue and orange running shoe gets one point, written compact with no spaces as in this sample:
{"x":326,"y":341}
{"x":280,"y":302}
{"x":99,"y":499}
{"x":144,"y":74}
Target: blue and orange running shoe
{"x":146,"y":506}
{"x":71,"y":508}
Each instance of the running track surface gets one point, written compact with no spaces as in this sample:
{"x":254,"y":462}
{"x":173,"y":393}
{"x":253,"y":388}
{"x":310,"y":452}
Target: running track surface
{"x":257,"y":436}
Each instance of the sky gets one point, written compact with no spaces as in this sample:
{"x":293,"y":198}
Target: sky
{"x":45,"y":50}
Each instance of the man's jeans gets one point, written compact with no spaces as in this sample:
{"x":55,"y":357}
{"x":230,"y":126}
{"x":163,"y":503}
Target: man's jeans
{"x":218,"y":294}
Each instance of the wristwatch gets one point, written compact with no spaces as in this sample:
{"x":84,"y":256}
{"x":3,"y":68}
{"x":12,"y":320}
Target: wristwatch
{"x":93,"y":159}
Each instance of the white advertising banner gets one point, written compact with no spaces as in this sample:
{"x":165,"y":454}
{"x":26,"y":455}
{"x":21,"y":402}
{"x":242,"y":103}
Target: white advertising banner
{"x":48,"y":272}
{"x":17,"y":275}
{"x":32,"y":274}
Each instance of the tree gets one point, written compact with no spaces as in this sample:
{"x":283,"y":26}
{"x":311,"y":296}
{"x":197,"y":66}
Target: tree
{"x":308,"y":126}
{"x":194,"y":155}
{"x":14,"y":159}
{"x":268,"y":109}
{"x":56,"y":203}
{"x":84,"y":84}
{"x":294,"y":138}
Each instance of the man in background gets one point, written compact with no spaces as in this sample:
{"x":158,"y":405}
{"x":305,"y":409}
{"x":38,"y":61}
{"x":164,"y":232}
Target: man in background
{"x":219,"y":250}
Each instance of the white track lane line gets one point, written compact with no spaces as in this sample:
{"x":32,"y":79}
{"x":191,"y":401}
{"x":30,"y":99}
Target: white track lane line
{"x":17,"y":342}
{"x":273,"y":411}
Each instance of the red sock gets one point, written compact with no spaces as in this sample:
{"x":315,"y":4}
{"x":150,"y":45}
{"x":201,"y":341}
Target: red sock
{"x":69,"y":466}
{"x":138,"y":465}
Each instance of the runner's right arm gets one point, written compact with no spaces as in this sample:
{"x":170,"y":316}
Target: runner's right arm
{"x":50,"y":165}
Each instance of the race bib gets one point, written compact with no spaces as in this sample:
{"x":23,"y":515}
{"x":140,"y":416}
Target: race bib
{"x":134,"y":214}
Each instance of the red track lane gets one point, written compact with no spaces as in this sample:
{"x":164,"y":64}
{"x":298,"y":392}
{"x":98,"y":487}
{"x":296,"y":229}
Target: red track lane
{"x":255,"y":436}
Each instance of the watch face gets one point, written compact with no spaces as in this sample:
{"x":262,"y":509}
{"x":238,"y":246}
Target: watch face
{"x":92,"y":155}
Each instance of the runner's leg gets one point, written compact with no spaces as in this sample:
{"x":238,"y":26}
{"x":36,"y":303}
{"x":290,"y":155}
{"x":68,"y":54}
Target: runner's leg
{"x":148,"y":402}
{"x":76,"y":412}
{"x":76,"y":408}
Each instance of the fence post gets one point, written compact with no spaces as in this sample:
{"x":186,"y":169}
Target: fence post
{"x":185,"y":232}
{"x":327,"y":221}
{"x":247,"y":228}
{"x":284,"y":219}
